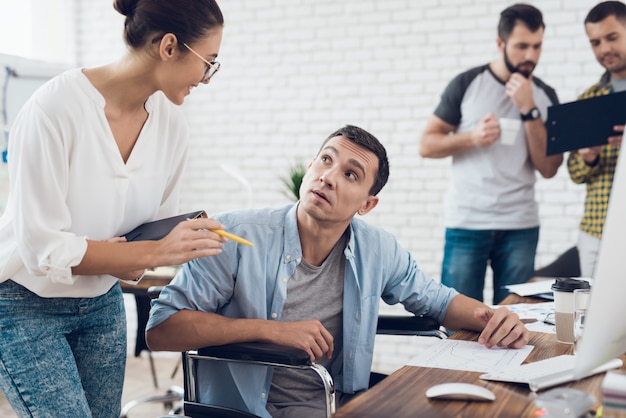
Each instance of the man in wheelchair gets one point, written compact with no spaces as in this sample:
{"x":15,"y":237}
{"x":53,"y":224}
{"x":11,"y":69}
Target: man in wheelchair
{"x":313,"y":280}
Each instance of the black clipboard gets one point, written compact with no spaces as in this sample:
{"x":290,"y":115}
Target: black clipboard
{"x":584,"y":123}
{"x":156,"y":230}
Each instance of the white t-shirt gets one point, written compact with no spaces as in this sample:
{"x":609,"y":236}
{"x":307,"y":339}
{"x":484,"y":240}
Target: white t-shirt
{"x":68,"y":183}
{"x":490,"y":187}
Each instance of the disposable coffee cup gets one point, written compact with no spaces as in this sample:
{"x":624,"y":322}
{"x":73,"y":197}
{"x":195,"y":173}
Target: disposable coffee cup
{"x":582,"y":298}
{"x":563,"y":288}
{"x":509,"y":128}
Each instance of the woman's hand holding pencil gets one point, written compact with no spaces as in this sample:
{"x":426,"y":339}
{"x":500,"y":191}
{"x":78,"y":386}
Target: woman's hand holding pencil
{"x":228,"y":235}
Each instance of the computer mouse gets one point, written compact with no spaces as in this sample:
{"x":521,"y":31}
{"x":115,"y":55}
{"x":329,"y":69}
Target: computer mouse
{"x":460,"y":391}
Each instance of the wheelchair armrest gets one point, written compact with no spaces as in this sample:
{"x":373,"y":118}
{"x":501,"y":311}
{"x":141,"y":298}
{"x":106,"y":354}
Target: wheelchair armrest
{"x":407,"y":325}
{"x":258,"y":352}
{"x":255,"y":353}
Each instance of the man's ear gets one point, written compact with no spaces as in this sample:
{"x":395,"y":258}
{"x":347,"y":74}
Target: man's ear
{"x":500,"y":43}
{"x":368,"y":205}
{"x":168,"y":46}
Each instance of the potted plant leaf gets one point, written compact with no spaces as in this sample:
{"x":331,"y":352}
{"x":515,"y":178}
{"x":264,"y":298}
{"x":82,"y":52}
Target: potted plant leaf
{"x":293,"y":181}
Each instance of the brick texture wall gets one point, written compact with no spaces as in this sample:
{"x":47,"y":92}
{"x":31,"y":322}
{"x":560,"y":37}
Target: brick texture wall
{"x":295,"y":70}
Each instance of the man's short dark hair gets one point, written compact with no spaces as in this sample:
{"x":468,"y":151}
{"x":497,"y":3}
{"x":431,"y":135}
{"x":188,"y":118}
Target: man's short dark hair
{"x":605,"y":9}
{"x":368,"y":141}
{"x":529,"y":15}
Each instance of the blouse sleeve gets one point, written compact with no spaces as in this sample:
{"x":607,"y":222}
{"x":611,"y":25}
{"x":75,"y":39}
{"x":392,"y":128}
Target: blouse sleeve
{"x":39,"y":178}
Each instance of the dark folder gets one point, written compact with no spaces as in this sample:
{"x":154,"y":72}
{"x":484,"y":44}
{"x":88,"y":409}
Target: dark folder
{"x":158,"y":229}
{"x":584,"y":123}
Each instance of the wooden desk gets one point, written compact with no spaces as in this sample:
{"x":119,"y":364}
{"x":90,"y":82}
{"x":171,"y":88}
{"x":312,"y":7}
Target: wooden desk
{"x":402,"y":394}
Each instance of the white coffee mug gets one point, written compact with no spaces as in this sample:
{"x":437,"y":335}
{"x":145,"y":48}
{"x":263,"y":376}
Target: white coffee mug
{"x":509,"y":129}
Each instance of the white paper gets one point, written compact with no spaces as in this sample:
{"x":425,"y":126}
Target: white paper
{"x":538,"y":287}
{"x":534,"y":311}
{"x":469,"y":356}
{"x":548,"y":372}
{"x":531,"y":288}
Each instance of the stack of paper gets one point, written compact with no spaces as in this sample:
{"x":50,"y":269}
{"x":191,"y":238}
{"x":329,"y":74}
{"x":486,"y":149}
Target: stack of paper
{"x":614,"y":394}
{"x":541,"y":287}
{"x":546,"y":373}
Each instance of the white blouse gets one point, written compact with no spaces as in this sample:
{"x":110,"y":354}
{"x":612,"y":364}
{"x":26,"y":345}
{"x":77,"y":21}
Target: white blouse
{"x":68,"y":183}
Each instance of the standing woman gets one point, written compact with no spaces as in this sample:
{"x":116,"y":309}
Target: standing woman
{"x":92,"y":154}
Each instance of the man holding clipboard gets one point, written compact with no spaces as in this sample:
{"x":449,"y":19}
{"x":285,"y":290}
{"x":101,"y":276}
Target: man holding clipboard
{"x":595,"y":166}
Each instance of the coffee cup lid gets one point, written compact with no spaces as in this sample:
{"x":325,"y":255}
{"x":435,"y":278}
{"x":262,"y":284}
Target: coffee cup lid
{"x":568,"y":284}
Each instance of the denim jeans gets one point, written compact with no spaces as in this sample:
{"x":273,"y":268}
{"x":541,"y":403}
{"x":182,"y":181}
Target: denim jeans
{"x":62,"y":357}
{"x":467,"y":253}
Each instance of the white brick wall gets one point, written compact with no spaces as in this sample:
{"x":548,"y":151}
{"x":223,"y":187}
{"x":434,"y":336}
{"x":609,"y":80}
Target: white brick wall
{"x":295,"y":70}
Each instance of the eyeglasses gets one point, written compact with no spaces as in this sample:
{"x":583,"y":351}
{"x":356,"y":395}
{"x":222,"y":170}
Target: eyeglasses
{"x":549,"y":319}
{"x":211,"y":67}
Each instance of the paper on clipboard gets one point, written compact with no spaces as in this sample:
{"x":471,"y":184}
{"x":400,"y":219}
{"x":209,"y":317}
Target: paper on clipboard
{"x":584,"y":123}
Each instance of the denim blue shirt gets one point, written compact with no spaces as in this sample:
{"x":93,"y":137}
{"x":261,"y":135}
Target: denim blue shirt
{"x":251,"y":282}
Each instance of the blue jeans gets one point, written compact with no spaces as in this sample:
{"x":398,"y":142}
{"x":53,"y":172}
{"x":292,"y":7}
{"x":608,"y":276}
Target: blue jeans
{"x":62,"y":357}
{"x":467,"y":253}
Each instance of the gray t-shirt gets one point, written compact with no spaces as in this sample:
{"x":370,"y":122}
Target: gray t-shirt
{"x":490,"y":187}
{"x":313,"y":293}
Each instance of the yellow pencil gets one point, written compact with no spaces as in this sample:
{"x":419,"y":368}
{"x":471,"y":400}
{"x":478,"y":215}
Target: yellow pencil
{"x":228,"y":235}
{"x":233,"y":237}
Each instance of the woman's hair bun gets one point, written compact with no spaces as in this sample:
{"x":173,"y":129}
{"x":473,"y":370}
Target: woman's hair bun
{"x":125,"y":7}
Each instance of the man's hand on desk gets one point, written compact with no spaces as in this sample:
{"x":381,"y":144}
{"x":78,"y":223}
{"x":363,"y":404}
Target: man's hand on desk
{"x":502,"y":328}
{"x":499,"y":327}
